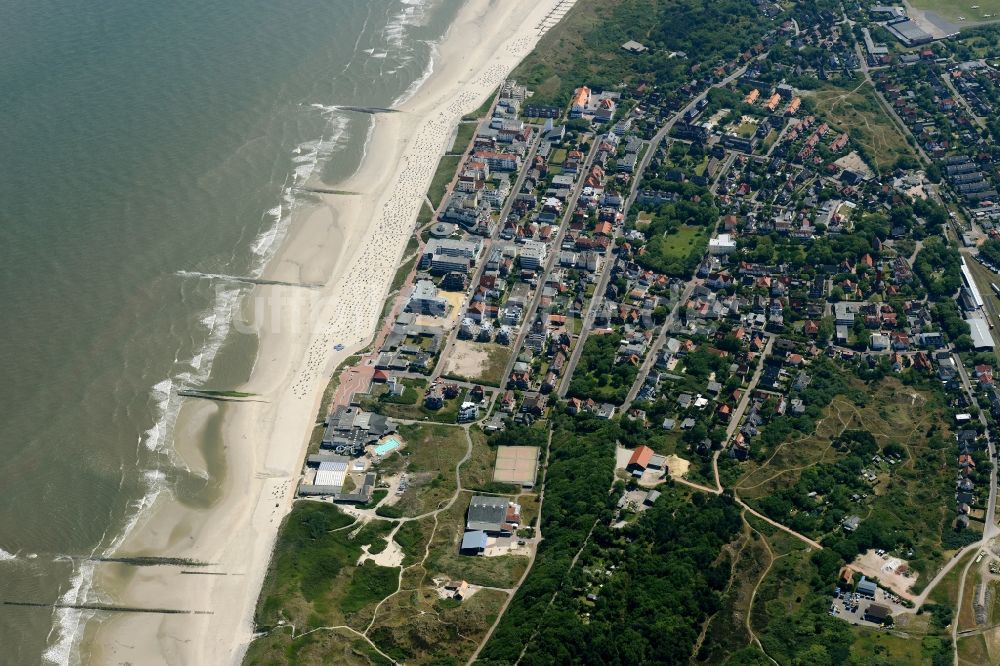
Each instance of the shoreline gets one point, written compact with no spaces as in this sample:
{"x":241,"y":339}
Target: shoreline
{"x":353,"y":246}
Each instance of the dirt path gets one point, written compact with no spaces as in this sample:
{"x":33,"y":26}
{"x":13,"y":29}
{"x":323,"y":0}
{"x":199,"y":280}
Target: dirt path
{"x":531,"y":558}
{"x":753,"y":594}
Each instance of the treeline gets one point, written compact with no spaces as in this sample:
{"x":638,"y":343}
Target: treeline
{"x":577,"y":484}
{"x":585,"y":47}
{"x":666,"y":569}
{"x":598,"y":376}
{"x":939,"y":267}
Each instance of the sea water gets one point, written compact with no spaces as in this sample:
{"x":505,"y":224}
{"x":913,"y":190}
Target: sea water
{"x":148,"y":148}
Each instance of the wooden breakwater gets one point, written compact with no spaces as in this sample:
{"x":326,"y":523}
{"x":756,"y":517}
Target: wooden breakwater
{"x":109,"y":608}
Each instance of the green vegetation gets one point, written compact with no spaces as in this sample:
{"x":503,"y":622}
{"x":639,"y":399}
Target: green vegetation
{"x":411,"y":404}
{"x":430,"y":456}
{"x":990,"y":250}
{"x":314,"y":649}
{"x":855,"y":109}
{"x":598,"y":375}
{"x":444,"y":174}
{"x":425,"y":216}
{"x":312,"y":580}
{"x":678,"y":231}
{"x":477,"y":472}
{"x":665,"y":580}
{"x":464,"y":135}
{"x":417,"y":627}
{"x":585,"y":47}
{"x":908,"y":506}
{"x":939,"y":267}
{"x":369,"y":585}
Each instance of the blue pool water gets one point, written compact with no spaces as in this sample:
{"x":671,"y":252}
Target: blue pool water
{"x":386,"y":446}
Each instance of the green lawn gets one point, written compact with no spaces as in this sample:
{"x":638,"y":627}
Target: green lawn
{"x":463,"y":137}
{"x":685,"y":239}
{"x":313,"y":579}
{"x":445,"y":172}
{"x":430,"y":456}
{"x":856,"y":110}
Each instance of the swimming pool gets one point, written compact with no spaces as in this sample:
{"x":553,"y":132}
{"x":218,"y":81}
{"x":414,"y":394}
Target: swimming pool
{"x":386,"y":446}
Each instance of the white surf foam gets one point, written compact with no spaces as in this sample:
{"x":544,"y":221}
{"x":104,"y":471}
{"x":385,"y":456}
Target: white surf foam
{"x":4,"y":555}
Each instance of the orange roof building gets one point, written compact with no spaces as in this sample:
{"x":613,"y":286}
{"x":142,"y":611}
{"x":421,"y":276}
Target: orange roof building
{"x":581,"y":96}
{"x":640,"y":458}
{"x":772,"y":103}
{"x":751,"y":96}
{"x":793,"y":106}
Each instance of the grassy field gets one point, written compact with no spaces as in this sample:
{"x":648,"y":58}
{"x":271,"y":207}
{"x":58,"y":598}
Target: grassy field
{"x":857,"y":111}
{"x":416,"y":411}
{"x":891,"y":648}
{"x":417,"y":627}
{"x":430,"y":456}
{"x":680,"y":243}
{"x":972,"y":651}
{"x":952,"y":9}
{"x":914,"y":494}
{"x":446,"y":169}
{"x":314,"y":649}
{"x":463,"y":137}
{"x":444,"y":560}
{"x":313,"y":579}
{"x":946,"y":591}
{"x":477,"y":472}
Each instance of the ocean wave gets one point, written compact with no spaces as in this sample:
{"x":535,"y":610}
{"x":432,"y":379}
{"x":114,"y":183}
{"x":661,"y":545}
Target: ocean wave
{"x":412,"y":89}
{"x":217,"y":320}
{"x":65,"y":632}
{"x":4,"y":555}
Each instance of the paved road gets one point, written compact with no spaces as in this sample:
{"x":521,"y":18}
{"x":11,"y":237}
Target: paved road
{"x":537,"y":539}
{"x":654,"y":349}
{"x":888,"y":107}
{"x":605,"y":275}
{"x":529,"y":314}
{"x":449,"y":346}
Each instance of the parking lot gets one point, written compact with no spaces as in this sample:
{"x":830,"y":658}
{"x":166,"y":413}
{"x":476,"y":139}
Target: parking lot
{"x":851,"y":607}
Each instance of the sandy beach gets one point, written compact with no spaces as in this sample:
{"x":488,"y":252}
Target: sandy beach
{"x":352,"y":244}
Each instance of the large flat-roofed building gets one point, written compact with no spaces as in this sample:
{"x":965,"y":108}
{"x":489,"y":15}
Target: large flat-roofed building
{"x":980,"y":331}
{"x":350,"y":429}
{"x":425,"y":300}
{"x":531,"y":255}
{"x":908,"y":32}
{"x":496,"y":516}
{"x":445,"y":255}
{"x":454,"y":248}
{"x":331,"y":473}
{"x":516,"y":464}
{"x":721,"y":244}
